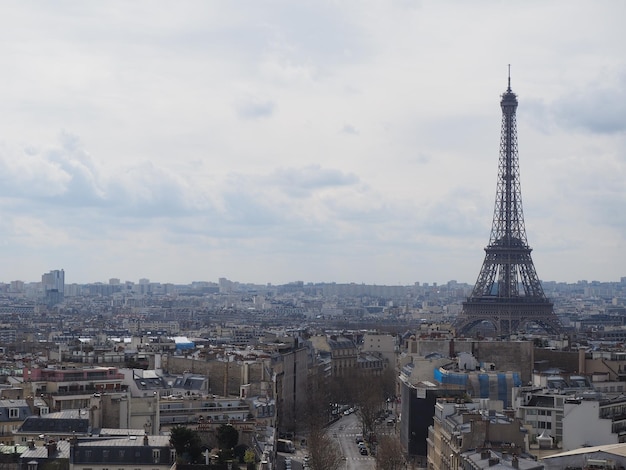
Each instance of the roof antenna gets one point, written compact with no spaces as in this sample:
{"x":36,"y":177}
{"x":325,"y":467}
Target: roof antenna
{"x":509,"y":78}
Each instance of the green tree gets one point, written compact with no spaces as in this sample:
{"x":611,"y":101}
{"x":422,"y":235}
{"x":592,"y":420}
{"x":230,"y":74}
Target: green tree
{"x":249,"y":458}
{"x":227,"y":437}
{"x":187,"y":444}
{"x":240,"y":451}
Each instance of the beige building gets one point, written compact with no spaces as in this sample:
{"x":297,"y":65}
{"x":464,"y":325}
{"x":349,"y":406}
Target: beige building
{"x":383,"y":344}
{"x":475,"y":435}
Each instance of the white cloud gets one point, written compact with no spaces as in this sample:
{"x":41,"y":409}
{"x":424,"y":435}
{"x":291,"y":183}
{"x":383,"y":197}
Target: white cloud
{"x":319,"y":141}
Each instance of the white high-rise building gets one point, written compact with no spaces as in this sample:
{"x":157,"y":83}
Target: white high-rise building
{"x":53,"y":285}
{"x":54,"y":280}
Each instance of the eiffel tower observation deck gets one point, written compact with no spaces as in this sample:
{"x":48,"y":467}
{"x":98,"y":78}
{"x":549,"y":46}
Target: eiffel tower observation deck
{"x":508,"y":293}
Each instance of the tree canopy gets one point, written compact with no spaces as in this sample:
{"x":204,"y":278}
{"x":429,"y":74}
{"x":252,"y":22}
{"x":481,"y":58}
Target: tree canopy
{"x":187,"y":443}
{"x":227,"y":437}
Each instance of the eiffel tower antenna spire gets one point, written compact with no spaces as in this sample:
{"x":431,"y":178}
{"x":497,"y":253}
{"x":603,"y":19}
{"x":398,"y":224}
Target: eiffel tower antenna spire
{"x":509,"y":88}
{"x":508,"y":293}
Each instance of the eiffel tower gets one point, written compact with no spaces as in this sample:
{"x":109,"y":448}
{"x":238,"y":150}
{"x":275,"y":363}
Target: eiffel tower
{"x":508,"y":293}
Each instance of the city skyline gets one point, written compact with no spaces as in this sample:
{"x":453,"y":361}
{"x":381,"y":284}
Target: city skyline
{"x":318,"y":142}
{"x":144,"y":280}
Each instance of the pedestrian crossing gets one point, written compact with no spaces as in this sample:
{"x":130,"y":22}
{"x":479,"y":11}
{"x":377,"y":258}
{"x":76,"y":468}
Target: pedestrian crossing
{"x":347,"y":434}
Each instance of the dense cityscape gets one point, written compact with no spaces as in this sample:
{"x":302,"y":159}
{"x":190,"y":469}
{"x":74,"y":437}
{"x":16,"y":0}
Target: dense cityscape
{"x":311,"y":140}
{"x":125,"y":363}
{"x":510,"y":372}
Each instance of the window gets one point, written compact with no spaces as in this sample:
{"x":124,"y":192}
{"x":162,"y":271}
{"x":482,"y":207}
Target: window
{"x":156,"y":455}
{"x":14,"y":412}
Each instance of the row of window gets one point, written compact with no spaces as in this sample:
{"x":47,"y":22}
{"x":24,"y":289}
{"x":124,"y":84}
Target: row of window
{"x":156,"y":455}
{"x":13,"y":413}
{"x":534,"y":412}
{"x":106,"y":468}
{"x":106,"y":454}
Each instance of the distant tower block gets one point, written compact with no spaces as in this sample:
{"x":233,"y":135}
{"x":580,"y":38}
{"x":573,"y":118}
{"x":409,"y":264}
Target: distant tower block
{"x":508,"y":293}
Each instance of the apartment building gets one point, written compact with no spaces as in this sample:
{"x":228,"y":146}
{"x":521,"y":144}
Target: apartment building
{"x":593,"y":422}
{"x":68,"y":387}
{"x":383,"y":344}
{"x":476,"y":435}
{"x":541,"y":407}
{"x":12,"y":415}
{"x":122,"y":453}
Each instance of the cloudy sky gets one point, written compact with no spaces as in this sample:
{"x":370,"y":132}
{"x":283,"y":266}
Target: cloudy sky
{"x":274,"y":141}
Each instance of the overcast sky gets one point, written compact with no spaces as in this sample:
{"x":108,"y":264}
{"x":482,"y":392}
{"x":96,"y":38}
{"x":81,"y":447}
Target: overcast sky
{"x":275,"y":141}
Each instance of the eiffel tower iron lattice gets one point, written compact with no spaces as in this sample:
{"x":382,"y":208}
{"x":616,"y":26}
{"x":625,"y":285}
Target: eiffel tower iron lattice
{"x":508,"y":293}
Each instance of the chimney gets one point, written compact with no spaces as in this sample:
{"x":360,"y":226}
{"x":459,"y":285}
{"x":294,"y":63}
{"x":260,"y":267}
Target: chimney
{"x":145,"y":440}
{"x":582,"y":369}
{"x":515,"y":462}
{"x":484,"y":454}
{"x":494,"y":461}
{"x":52,"y":448}
{"x":31,"y":444}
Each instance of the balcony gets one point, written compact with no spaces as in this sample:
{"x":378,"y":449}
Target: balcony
{"x":203,"y":410}
{"x":92,"y":390}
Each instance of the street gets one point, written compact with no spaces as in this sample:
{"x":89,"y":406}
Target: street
{"x":345,"y":432}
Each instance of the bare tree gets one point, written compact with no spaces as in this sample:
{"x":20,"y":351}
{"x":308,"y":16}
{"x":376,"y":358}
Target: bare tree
{"x":324,"y":452}
{"x":390,"y":454}
{"x":389,"y":382}
{"x":316,"y":410}
{"x":342,"y":388}
{"x":369,"y":399}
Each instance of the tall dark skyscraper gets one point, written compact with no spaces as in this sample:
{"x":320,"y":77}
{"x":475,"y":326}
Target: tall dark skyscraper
{"x":508,"y":293}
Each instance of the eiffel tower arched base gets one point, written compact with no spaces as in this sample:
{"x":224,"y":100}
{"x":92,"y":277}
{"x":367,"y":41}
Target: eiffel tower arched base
{"x":507,"y":317}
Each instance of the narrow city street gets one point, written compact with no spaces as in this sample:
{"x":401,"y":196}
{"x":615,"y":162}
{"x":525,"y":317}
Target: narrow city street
{"x":345,"y":432}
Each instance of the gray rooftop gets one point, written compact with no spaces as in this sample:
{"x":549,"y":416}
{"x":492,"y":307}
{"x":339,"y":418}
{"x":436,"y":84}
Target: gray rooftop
{"x":41,"y":452}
